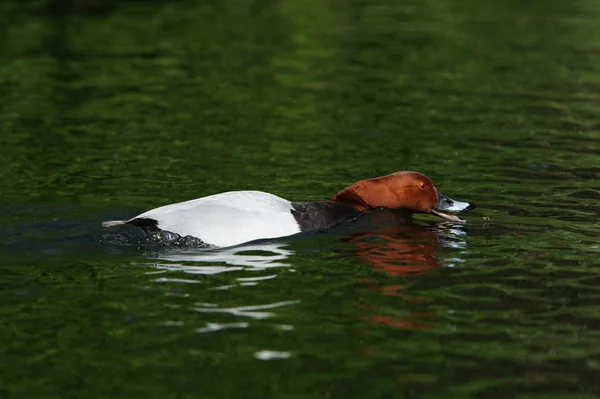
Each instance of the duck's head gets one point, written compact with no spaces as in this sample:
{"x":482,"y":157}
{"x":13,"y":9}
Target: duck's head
{"x":409,"y":191}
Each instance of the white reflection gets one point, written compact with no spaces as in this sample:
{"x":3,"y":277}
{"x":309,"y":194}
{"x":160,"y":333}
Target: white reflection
{"x":284,"y":327}
{"x":256,"y":278}
{"x":257,"y":256}
{"x":253,"y":312}
{"x":270,"y":355}
{"x":211,"y":327}
{"x":450,"y":236}
{"x":176,"y":280}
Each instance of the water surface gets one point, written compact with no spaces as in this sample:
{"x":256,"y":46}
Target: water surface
{"x":110,"y":108}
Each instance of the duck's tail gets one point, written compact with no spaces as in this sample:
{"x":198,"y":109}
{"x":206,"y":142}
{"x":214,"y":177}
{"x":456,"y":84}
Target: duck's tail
{"x":112,"y":223}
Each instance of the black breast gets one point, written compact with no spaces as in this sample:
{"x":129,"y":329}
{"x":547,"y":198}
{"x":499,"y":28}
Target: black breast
{"x":321,"y":215}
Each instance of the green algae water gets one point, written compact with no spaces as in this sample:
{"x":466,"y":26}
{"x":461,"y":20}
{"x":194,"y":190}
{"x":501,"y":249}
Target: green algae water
{"x":109,"y":108}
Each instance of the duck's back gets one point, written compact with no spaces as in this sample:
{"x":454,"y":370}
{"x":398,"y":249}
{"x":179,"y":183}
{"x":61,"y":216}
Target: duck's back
{"x":225,"y":219}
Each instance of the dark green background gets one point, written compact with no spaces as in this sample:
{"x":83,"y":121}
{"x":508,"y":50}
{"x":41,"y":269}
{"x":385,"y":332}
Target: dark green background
{"x":112,"y":107}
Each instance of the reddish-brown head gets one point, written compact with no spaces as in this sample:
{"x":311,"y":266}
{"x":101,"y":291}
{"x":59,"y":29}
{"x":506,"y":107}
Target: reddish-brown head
{"x":410,"y":191}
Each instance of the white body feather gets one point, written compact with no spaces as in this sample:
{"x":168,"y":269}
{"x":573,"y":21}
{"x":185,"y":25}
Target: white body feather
{"x":228,"y":218}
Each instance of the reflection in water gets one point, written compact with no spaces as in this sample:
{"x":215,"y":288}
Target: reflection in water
{"x":212,"y":327}
{"x":384,"y":240}
{"x":253,"y":312}
{"x":270,"y":355}
{"x":257,"y":256}
{"x":208,"y":262}
{"x":398,"y":248}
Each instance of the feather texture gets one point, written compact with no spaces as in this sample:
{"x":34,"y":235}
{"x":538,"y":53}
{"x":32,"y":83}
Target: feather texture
{"x":228,"y":218}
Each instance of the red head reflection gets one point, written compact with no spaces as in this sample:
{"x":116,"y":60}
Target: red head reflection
{"x":397,"y":249}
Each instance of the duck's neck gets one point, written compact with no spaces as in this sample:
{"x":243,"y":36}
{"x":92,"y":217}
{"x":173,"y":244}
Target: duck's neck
{"x":361,"y":195}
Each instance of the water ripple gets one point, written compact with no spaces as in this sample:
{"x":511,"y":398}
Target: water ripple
{"x":213,"y":327}
{"x":246,"y":311}
{"x":271,"y":355}
{"x":258,"y":256}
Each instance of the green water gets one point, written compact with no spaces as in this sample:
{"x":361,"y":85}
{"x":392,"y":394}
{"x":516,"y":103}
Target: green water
{"x":108,"y":108}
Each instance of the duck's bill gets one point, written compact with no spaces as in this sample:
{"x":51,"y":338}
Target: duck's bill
{"x":447,"y":205}
{"x":447,"y":216}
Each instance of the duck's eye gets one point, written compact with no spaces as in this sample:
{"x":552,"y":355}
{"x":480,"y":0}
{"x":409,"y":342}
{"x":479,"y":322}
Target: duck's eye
{"x":422,"y":185}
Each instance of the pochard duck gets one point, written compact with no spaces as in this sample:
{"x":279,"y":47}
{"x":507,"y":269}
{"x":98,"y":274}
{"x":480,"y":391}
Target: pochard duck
{"x":237,"y":217}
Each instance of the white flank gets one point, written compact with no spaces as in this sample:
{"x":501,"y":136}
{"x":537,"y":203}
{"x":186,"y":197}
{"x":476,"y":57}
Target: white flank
{"x":228,"y":218}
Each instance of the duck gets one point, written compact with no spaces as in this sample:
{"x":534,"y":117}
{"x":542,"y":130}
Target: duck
{"x":237,"y":217}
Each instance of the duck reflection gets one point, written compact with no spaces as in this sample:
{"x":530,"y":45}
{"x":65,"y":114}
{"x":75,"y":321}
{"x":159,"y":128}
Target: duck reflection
{"x":257,"y":256}
{"x":397,"y":247}
{"x":397,"y":250}
{"x":385,"y":240}
{"x":391,"y":243}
